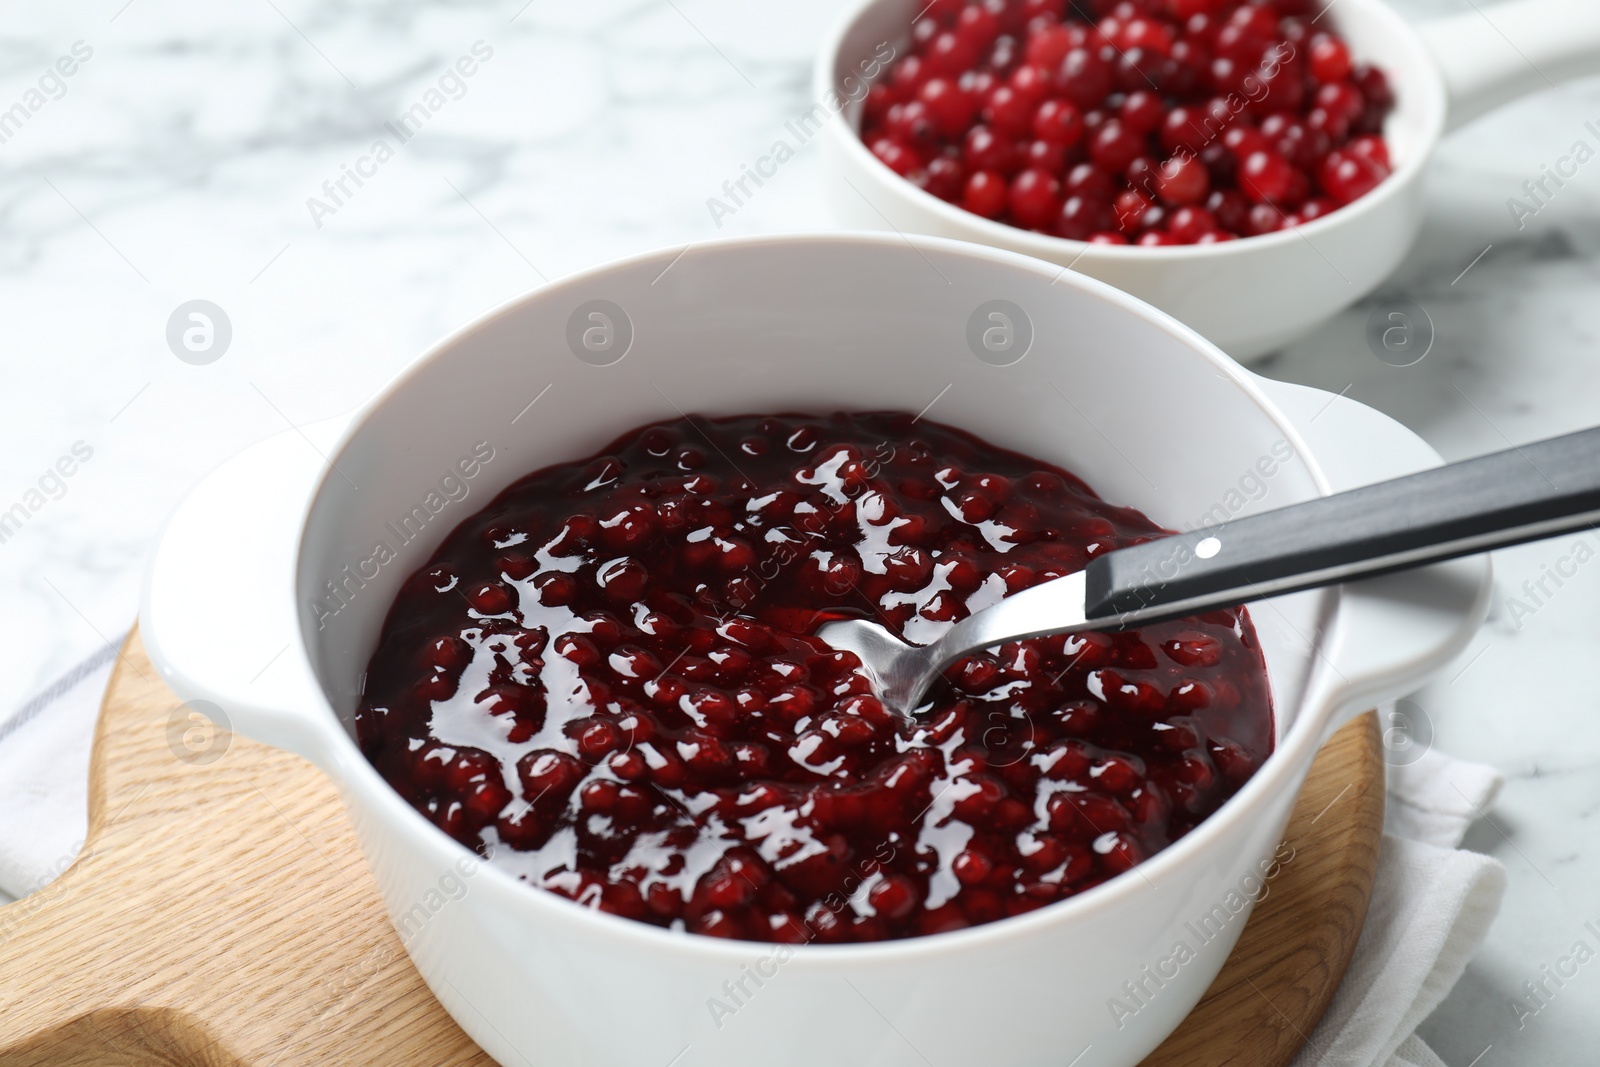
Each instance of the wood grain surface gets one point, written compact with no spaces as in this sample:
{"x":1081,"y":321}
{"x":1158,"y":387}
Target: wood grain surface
{"x":220,"y":915}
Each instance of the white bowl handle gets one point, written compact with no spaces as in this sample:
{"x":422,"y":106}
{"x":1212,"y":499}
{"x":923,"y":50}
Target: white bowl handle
{"x":217,"y":616}
{"x":1398,"y":629}
{"x":1493,"y":55}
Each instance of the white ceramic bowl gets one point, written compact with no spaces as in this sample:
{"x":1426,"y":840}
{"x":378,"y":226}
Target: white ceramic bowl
{"x":1249,"y":297}
{"x":1146,"y":410}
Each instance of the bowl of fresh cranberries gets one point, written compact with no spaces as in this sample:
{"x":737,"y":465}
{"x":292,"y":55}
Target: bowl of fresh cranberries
{"x":546,"y":610}
{"x":1250,"y":166}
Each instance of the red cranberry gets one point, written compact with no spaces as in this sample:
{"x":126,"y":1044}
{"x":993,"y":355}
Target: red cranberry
{"x":986,"y":150}
{"x":1372,"y":149}
{"x":1045,"y":155}
{"x":987,"y":194}
{"x":1114,"y":146}
{"x":1143,"y":111}
{"x":951,"y":108}
{"x":491,"y":598}
{"x":1082,"y":217}
{"x":1347,"y":175}
{"x":1191,"y":223}
{"x":897,"y":157}
{"x":1231,"y":209}
{"x":1341,"y":99}
{"x":1266,"y":178}
{"x":1089,"y":181}
{"x":1035,"y":198}
{"x":1058,"y":121}
{"x":946,"y":178}
{"x":1084,"y":77}
{"x":1330,"y":59}
{"x":1008,"y":112}
{"x":1131,"y":208}
{"x":1183,"y":128}
{"x":1183,"y":180}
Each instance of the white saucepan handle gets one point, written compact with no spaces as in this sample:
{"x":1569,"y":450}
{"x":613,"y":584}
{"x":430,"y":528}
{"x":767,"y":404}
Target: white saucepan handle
{"x":1398,"y":630}
{"x":1493,"y":53}
{"x":217,"y":616}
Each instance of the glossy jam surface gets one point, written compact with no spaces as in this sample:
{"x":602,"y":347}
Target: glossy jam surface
{"x":606,"y":681}
{"x":1153,"y":122}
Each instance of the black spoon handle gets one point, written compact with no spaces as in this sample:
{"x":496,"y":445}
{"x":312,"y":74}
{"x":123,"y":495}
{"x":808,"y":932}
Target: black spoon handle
{"x":1523,"y":494}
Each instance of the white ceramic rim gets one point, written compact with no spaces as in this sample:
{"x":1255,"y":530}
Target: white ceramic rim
{"x":1058,"y":249}
{"x":1290,"y":758}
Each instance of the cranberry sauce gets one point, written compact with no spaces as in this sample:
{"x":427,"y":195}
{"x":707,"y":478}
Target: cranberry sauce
{"x":606,"y":680}
{"x":1156,"y":122}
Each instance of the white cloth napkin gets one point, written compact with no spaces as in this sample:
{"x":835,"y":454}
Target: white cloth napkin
{"x":1431,"y":906}
{"x":44,"y":775}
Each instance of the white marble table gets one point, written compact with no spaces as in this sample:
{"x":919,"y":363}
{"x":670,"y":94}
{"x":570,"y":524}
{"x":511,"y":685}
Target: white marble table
{"x":178,"y":161}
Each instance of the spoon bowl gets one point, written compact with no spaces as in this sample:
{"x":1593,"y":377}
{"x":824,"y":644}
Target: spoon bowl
{"x":1251,"y":296}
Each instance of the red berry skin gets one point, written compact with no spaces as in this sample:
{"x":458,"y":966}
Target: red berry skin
{"x":1148,"y":34}
{"x":1373,"y":149}
{"x":978,"y":26}
{"x":1347,"y":176}
{"x":1084,"y":77}
{"x":1183,"y":128}
{"x":951,"y":107}
{"x":1330,"y":59}
{"x":1131,"y":208}
{"x":1231,"y":209}
{"x":1058,"y":121}
{"x":986,"y":150}
{"x":1082,"y":217}
{"x":946,"y":178}
{"x":911,"y":125}
{"x":951,"y":53}
{"x":907,"y":76}
{"x":987,"y":194}
{"x":1032,"y":83}
{"x":897,"y":157}
{"x":1334,"y":126}
{"x":1143,"y":111}
{"x":1114,"y":146}
{"x":1143,"y":174}
{"x":1266,"y":178}
{"x":1265,"y":219}
{"x":1244,"y":141}
{"x":1190,"y":223}
{"x":1342,"y":99}
{"x":1088,"y":180}
{"x":1045,"y":155}
{"x":1008,"y":112}
{"x":1049,"y":47}
{"x":1375,"y":90}
{"x":1183,"y":180}
{"x":1035,"y":198}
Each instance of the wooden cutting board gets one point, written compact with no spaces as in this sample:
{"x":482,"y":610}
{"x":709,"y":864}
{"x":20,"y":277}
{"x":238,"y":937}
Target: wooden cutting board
{"x":220,"y":914}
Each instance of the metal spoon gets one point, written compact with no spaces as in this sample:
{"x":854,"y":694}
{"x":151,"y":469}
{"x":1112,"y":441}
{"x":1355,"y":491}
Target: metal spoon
{"x":1523,"y":494}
